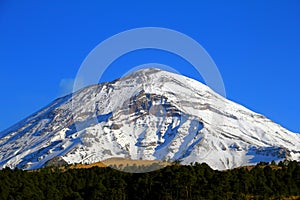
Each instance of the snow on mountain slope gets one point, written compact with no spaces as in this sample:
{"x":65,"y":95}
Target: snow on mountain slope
{"x":151,"y":115}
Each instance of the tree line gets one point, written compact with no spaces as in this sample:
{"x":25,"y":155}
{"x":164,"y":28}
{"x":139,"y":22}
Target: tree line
{"x":196,"y":181}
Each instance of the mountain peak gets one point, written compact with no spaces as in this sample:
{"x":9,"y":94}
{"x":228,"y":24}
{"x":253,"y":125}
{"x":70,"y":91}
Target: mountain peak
{"x":149,"y":114}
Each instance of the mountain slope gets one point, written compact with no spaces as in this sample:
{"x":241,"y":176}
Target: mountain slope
{"x":150,"y":115}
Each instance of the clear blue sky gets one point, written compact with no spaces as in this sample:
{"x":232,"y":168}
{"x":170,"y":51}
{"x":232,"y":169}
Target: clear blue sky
{"x":255,"y":45}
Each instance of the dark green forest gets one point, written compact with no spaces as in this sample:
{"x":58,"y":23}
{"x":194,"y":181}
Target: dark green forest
{"x":197,"y":181}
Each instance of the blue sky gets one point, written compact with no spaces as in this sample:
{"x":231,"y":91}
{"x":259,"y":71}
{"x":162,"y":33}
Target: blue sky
{"x":255,"y":45}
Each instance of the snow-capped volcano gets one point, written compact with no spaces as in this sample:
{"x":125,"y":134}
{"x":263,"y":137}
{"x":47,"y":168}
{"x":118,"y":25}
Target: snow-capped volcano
{"x":150,"y":115}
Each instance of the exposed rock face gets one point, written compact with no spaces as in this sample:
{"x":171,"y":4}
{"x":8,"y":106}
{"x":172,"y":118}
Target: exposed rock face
{"x":56,"y":161}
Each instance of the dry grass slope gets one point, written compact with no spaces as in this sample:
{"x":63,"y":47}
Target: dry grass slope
{"x":120,"y":162}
